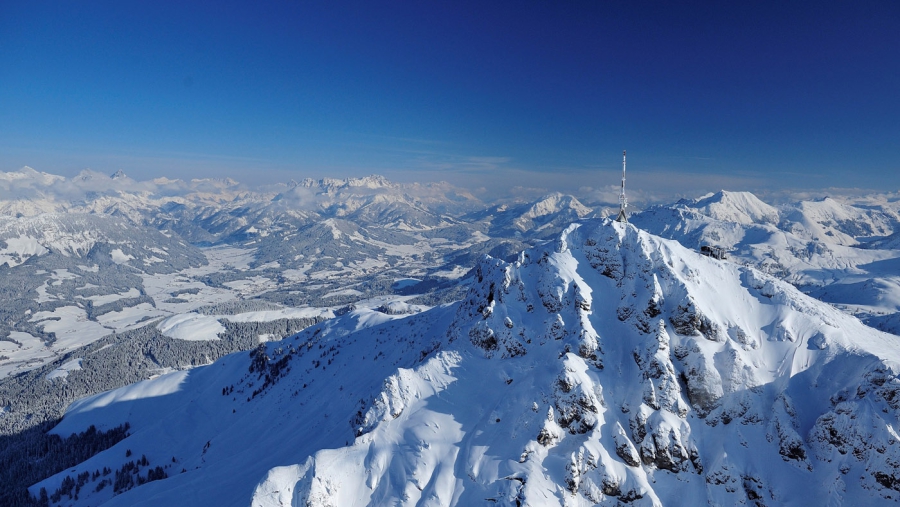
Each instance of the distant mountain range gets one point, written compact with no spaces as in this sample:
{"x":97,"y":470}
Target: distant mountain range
{"x":839,"y":252}
{"x":73,"y":241}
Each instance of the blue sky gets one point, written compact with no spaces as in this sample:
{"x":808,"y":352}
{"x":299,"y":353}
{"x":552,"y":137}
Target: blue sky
{"x":485,"y":94}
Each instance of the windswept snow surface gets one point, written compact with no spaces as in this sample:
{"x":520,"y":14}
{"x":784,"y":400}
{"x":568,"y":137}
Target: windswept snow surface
{"x":140,"y":400}
{"x":606,"y":366}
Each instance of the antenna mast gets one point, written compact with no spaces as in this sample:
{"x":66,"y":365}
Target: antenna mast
{"x":623,"y":201}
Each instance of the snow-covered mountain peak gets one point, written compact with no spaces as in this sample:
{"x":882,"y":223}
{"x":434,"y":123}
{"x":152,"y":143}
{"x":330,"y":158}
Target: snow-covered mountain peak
{"x":626,"y":367}
{"x":28,"y":173}
{"x":556,"y":203}
{"x":543,"y":217}
{"x":373,"y":182}
{"x":651,"y":276}
{"x":89,"y":175}
{"x":738,"y":207}
{"x":812,"y":243}
{"x":832,"y":221}
{"x":216,"y":182}
{"x":607,"y":365}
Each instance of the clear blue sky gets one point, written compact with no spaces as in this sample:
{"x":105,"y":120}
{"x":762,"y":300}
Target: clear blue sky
{"x":540,"y":93}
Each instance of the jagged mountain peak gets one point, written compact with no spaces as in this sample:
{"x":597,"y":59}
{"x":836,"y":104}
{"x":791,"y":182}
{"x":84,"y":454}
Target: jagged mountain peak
{"x":372,"y":182}
{"x":89,"y":175}
{"x":627,"y":356}
{"x":607,"y":365}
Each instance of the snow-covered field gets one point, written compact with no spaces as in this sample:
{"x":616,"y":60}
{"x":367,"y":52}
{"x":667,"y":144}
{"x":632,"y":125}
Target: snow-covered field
{"x":63,"y":371}
{"x":173,"y":296}
{"x":23,"y":351}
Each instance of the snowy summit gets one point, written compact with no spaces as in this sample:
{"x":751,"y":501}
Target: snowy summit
{"x":606,"y":366}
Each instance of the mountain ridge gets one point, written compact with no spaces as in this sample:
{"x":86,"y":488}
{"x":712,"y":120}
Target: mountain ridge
{"x":606,"y":365}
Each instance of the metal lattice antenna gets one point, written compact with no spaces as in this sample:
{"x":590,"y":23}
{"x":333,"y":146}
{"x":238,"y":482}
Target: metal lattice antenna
{"x":623,"y":201}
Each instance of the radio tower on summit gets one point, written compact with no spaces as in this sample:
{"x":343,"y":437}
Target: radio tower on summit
{"x":623,"y":201}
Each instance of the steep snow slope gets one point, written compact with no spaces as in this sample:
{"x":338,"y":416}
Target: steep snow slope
{"x":826,"y":247}
{"x":608,"y":365}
